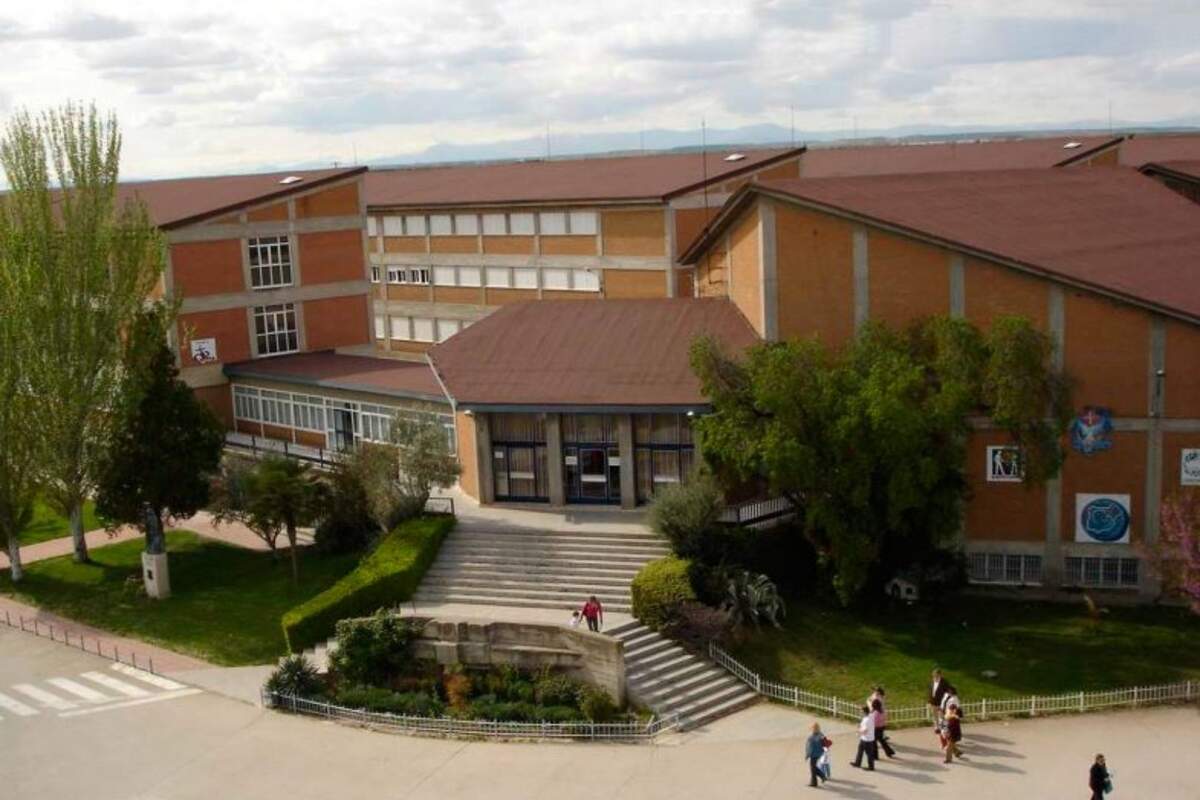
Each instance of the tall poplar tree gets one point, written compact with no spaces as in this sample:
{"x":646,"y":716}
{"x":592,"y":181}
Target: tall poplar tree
{"x":88,"y":264}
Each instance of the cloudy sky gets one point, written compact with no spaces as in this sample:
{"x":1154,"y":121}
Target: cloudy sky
{"x":231,"y":86}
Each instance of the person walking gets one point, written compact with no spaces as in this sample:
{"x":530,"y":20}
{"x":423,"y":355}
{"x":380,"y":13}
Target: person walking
{"x":937,"y":693}
{"x":1098,"y":778}
{"x":879,"y":712}
{"x":953,"y":733}
{"x":866,"y":740}
{"x":593,"y":612}
{"x":814,"y":748}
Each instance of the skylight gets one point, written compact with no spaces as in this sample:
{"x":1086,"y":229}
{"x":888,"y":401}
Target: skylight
{"x":1072,"y":145}
{"x":291,"y":179}
{"x":735,"y":156}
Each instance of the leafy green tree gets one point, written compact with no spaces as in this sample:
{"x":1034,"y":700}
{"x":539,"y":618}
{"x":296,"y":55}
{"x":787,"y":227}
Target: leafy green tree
{"x":869,"y":442}
{"x":398,"y":477}
{"x":85,"y":264}
{"x":165,"y":443}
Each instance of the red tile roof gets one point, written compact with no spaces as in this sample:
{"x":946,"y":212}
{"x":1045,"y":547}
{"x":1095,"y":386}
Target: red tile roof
{"x":1184,"y":169}
{"x":383,"y":376}
{"x":1145,"y":148}
{"x":178,"y":201}
{"x":655,"y":176}
{"x":586,"y":353}
{"x":957,"y":156}
{"x":1112,"y":229}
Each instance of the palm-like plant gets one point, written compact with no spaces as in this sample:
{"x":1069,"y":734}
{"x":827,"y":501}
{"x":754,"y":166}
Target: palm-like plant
{"x":752,"y":597}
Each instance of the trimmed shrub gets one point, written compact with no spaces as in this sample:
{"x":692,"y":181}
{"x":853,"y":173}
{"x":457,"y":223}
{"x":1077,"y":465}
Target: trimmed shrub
{"x":659,"y":588}
{"x":387,"y":576}
{"x":373,"y":698}
{"x":296,"y":676}
{"x":596,"y":705}
{"x":373,"y":651}
{"x":687,"y":515}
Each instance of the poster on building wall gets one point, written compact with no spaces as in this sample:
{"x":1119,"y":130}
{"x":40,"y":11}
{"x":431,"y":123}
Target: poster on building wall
{"x":1004,"y":464}
{"x":1189,"y":467}
{"x":1091,"y":431}
{"x":1102,"y":518}
{"x":204,"y":351}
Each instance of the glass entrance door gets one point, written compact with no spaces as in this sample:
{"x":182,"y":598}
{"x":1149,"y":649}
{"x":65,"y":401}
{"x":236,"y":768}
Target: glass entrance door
{"x":519,"y":472}
{"x":592,"y":474}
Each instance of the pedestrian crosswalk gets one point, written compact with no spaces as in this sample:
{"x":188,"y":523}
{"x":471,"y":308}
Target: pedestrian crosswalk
{"x":88,"y":692}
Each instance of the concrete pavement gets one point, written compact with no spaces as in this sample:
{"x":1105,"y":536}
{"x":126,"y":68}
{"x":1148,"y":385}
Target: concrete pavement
{"x":204,"y":745}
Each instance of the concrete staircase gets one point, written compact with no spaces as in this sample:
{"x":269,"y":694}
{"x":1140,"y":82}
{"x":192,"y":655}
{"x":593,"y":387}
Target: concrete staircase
{"x":551,"y":569}
{"x":669,"y":680}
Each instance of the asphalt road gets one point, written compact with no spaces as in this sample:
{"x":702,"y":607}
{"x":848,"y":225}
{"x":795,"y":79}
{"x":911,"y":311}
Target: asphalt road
{"x":72,"y":726}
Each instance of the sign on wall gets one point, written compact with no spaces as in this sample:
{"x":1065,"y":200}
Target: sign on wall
{"x":204,"y":351}
{"x":1004,"y":464}
{"x":1189,"y":467}
{"x":1091,"y":431}
{"x":1102,"y":518}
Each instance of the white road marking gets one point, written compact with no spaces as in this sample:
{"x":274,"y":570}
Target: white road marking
{"x":16,"y":706}
{"x":128,"y":703}
{"x":79,"y":690}
{"x":120,"y":687}
{"x":45,"y":698}
{"x":148,"y":677}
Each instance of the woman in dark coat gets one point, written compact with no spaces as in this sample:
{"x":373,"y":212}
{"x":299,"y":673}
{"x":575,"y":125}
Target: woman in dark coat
{"x":1098,"y":778}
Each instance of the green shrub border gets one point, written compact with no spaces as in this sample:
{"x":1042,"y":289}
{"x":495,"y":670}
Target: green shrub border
{"x":385,"y":577}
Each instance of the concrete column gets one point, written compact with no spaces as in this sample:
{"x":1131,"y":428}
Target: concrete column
{"x":554,"y":459}
{"x":1149,"y":584}
{"x":1052,"y":558}
{"x":770,"y":279}
{"x":625,"y":448}
{"x":958,"y":286}
{"x":484,"y":456}
{"x":862,"y":283}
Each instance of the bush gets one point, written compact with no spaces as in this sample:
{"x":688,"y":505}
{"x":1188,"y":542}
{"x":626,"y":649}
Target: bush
{"x":659,"y":588}
{"x":387,"y":576}
{"x":296,"y":676}
{"x":596,"y":705}
{"x":688,"y":515}
{"x":556,"y":690}
{"x":374,"y":698}
{"x":346,"y":525}
{"x":458,"y":687}
{"x":751,"y":597}
{"x":695,"y":625}
{"x":373,"y":651}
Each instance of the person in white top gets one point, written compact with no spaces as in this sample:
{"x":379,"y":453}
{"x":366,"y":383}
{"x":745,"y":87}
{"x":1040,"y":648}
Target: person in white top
{"x":866,"y":740}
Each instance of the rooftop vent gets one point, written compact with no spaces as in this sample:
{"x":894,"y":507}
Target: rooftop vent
{"x":1072,"y":145}
{"x":290,"y":179}
{"x":735,"y":156}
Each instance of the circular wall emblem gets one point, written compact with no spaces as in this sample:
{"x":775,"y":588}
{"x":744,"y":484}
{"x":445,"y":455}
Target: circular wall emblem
{"x":1104,"y":520}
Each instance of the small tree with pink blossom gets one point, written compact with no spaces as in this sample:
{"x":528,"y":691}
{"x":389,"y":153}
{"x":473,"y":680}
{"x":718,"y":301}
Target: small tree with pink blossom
{"x":1177,"y":554}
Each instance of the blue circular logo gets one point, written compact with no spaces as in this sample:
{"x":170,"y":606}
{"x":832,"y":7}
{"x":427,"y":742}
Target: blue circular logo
{"x":1104,"y":520}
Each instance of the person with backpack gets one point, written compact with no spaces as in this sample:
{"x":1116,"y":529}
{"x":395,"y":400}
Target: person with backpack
{"x":814,"y":750}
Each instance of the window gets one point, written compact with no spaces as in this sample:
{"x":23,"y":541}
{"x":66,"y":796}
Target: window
{"x":246,"y":404}
{"x":422,"y":329}
{"x":520,"y":224}
{"x":275,"y":329}
{"x":413,"y":276}
{"x":1011,"y":568}
{"x":552,"y":223}
{"x":395,"y":275}
{"x":498,"y":277}
{"x":375,"y":422}
{"x":494,"y":225}
{"x":414,"y":225}
{"x":466,"y":224}
{"x":469,"y":276}
{"x":276,"y":407}
{"x":401,"y":328}
{"x":555,"y":278}
{"x":583,"y":223}
{"x":663,"y":452}
{"x":446,"y":328}
{"x":1109,"y":572}
{"x":444,"y":276}
{"x":1004,"y":464}
{"x":525,"y":278}
{"x":372,"y":227}
{"x":308,"y":412}
{"x":393,"y":226}
{"x":380,"y":325}
{"x":586,"y":281}
{"x":270,"y":262}
{"x":375,"y":273}
{"x":440,"y":225}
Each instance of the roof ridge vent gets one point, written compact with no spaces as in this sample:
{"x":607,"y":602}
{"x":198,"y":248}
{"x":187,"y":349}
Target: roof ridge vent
{"x":290,"y":179}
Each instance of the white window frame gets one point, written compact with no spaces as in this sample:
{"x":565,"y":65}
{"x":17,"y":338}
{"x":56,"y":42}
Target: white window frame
{"x":380,"y":326}
{"x":276,"y":407}
{"x":393,"y":226}
{"x":376,"y":273}
{"x":445,"y":328}
{"x":548,"y":283}
{"x":1012,"y":569}
{"x":552,"y":223}
{"x":470,"y":276}
{"x":579,"y":276}
{"x":401,"y":328}
{"x":308,"y":413}
{"x":372,"y":226}
{"x":495,"y":224}
{"x":583,"y":223}
{"x":247,"y":405}
{"x":1099,"y":565}
{"x":497,"y":277}
{"x":270,"y":260}
{"x":441,"y":225}
{"x":522,"y":223}
{"x":525,"y":278}
{"x":414,"y":225}
{"x":441,"y":273}
{"x":418,"y":324}
{"x":279,"y":322}
{"x":466,"y":225}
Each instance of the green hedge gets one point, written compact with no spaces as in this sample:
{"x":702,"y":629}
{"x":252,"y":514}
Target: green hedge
{"x":387,"y":576}
{"x":659,"y":588}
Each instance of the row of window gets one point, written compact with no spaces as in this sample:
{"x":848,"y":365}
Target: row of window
{"x":417,"y":329}
{"x":1106,"y":572}
{"x":270,"y":262}
{"x":545,"y":223}
{"x":554,"y":278}
{"x":275,"y":329}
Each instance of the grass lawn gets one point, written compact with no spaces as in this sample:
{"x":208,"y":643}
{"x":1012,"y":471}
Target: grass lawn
{"x":226,"y":601}
{"x":46,"y":524}
{"x":1037,"y":648}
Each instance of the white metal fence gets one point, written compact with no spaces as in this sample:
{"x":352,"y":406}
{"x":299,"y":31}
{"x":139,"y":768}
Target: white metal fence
{"x":758,"y":511}
{"x":1029,"y":706}
{"x":472,"y":728}
{"x":67,"y":636}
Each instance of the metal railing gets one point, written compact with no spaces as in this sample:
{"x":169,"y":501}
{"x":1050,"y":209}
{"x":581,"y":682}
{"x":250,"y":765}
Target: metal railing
{"x":257,"y":446}
{"x":46,"y":631}
{"x":1028,"y":706}
{"x":757,"y":511}
{"x":471,"y":728}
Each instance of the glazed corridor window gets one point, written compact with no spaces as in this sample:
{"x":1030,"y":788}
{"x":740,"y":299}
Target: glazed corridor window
{"x":663,"y":452}
{"x":270,"y":262}
{"x":275,"y":329}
